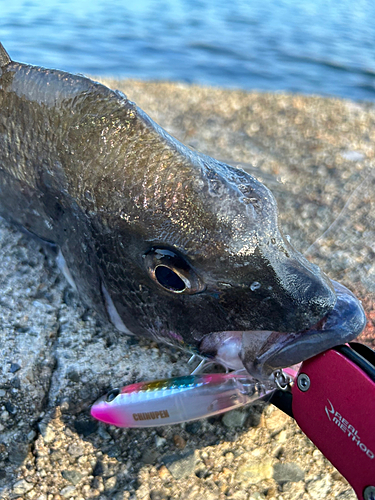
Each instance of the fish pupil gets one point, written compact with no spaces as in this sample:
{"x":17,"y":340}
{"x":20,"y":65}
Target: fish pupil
{"x":169,"y":279}
{"x":112,"y":395}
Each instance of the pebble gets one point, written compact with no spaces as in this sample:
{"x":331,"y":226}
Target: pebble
{"x":158,"y":495}
{"x":10,"y":408}
{"x":103,"y":433}
{"x":73,"y":476}
{"x":256,"y":496}
{"x":110,"y":483}
{"x":75,"y":450}
{"x":181,"y":465}
{"x":193,"y":427}
{"x":254,"y":472}
{"x":179,"y":441}
{"x":16,"y":383}
{"x":150,"y":456}
{"x":235,"y":418}
{"x":160,"y":441}
{"x":48,"y":434}
{"x":276,"y":422}
{"x":31,"y":435}
{"x":14,"y":367}
{"x":284,"y":472}
{"x":320,"y":488}
{"x":22,"y":487}
{"x":164,"y":472}
{"x":17,"y":452}
{"x":4,"y":415}
{"x":282,"y":436}
{"x":68,"y":491}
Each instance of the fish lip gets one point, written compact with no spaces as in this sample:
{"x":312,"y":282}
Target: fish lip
{"x":340,"y":325}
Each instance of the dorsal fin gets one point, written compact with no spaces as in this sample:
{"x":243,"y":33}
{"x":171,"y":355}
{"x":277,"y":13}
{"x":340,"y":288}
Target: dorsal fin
{"x":4,"y":57}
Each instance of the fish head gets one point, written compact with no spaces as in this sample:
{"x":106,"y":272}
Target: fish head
{"x":204,"y":265}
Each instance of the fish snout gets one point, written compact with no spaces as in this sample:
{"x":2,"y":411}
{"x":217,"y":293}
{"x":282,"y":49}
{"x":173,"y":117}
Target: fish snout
{"x":264,"y":352}
{"x":309,"y":294}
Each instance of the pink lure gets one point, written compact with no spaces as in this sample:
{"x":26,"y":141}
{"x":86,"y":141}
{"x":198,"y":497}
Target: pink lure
{"x":180,"y":399}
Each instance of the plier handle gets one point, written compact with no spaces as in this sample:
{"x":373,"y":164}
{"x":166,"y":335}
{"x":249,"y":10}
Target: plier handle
{"x":332,"y":400}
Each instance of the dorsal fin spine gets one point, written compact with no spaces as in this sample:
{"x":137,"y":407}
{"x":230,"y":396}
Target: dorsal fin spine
{"x":4,"y":57}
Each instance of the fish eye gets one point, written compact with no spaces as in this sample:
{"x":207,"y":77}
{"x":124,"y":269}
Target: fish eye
{"x":172,"y":272}
{"x":169,"y":279}
{"x":112,"y":395}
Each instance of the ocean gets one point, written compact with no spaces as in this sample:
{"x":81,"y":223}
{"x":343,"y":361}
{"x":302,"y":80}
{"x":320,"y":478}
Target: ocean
{"x":312,"y":47}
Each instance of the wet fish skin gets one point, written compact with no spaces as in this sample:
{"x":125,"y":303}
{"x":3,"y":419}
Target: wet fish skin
{"x":84,"y":168}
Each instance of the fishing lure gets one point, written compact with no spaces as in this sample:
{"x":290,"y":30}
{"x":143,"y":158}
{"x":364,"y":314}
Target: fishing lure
{"x":179,"y":399}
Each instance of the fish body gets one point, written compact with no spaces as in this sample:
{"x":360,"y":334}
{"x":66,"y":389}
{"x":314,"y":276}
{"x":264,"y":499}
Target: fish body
{"x":159,"y":239}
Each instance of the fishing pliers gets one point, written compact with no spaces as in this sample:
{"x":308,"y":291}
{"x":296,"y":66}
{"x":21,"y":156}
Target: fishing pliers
{"x":332,"y":400}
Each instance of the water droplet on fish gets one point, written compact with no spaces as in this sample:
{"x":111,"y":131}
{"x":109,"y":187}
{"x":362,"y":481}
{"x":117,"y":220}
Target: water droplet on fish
{"x":221,"y":283}
{"x":255,"y":285}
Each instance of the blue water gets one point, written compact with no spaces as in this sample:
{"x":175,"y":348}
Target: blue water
{"x":310,"y":46}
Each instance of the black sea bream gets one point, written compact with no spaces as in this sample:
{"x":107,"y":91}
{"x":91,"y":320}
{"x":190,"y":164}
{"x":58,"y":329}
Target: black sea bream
{"x":159,"y":239}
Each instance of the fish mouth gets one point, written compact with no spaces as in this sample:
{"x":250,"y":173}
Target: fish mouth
{"x":279,"y":350}
{"x":262,"y":352}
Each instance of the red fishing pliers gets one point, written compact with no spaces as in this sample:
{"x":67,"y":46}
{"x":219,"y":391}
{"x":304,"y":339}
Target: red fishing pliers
{"x":332,"y":400}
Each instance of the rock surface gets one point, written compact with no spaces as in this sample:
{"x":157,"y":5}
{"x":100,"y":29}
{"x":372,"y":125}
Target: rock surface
{"x":56,"y":359}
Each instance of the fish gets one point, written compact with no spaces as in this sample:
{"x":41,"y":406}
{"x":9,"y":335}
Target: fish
{"x":161,"y":240}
